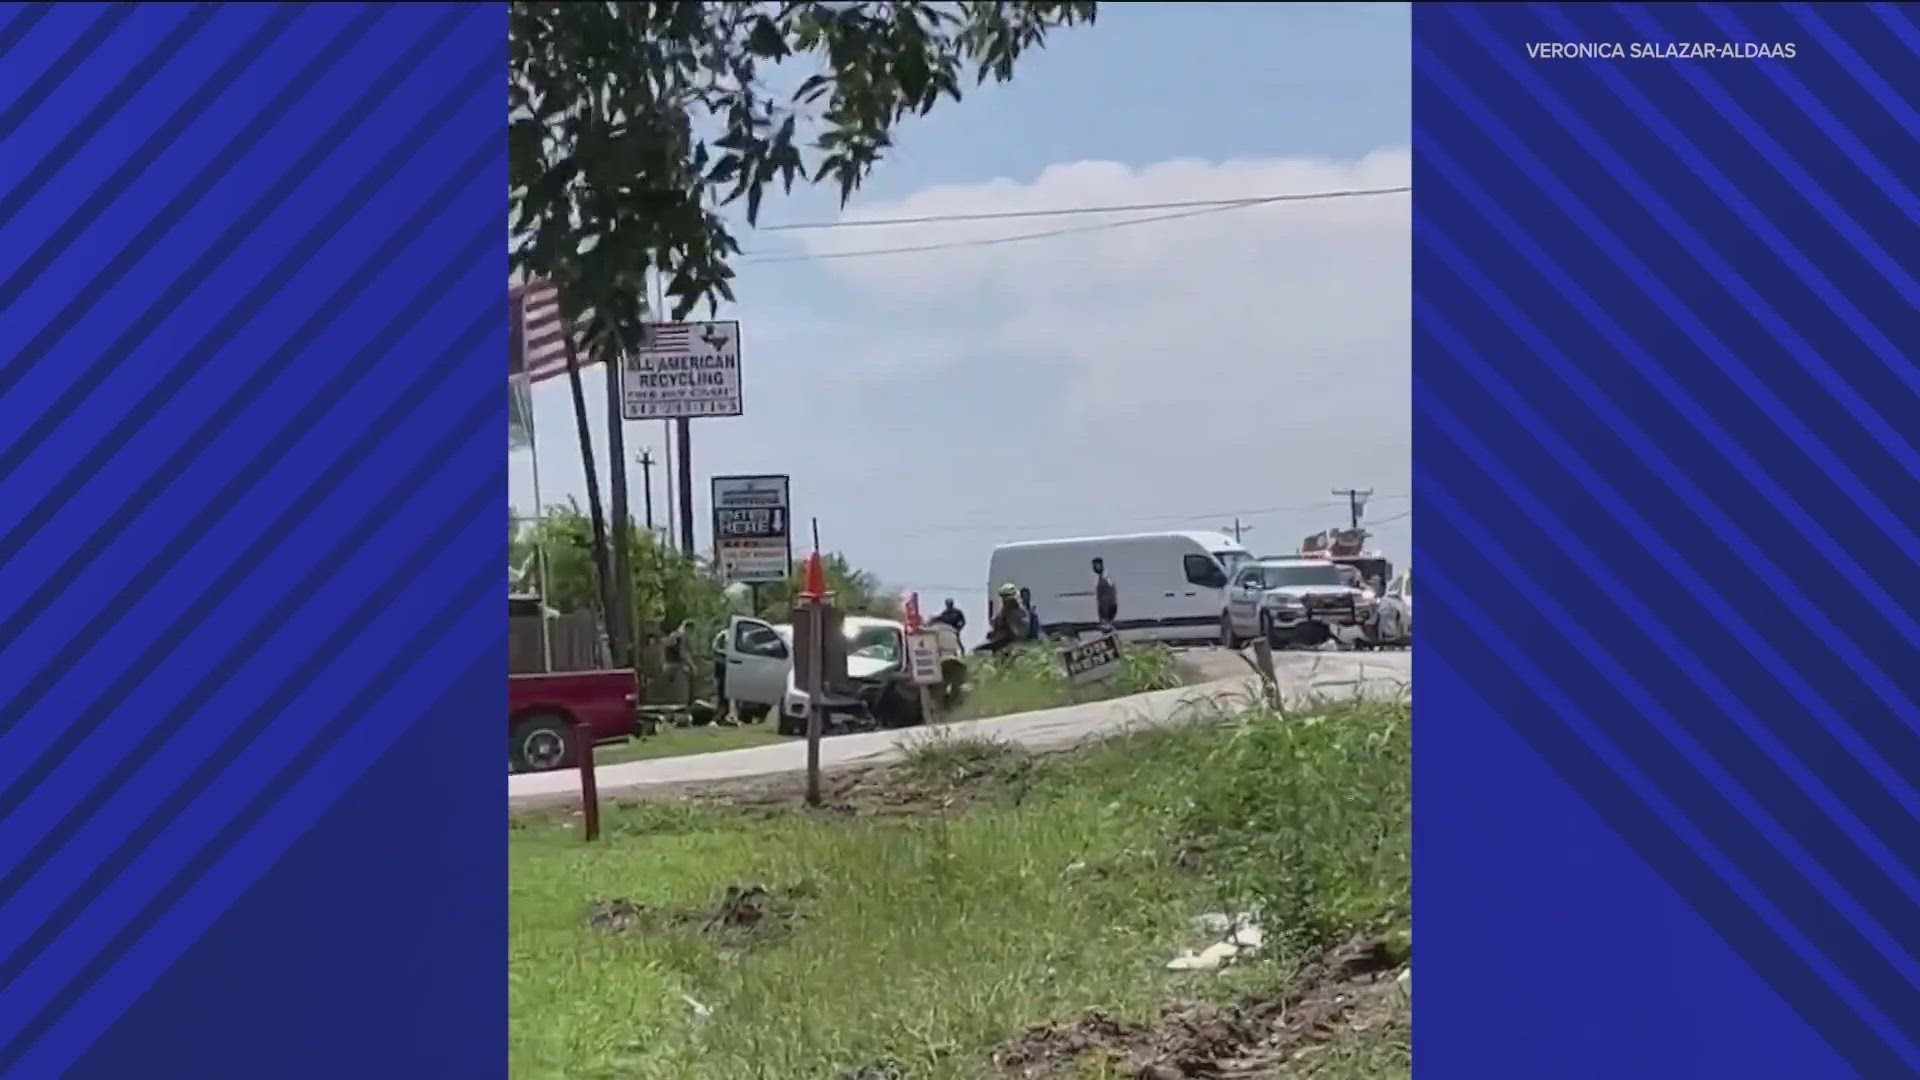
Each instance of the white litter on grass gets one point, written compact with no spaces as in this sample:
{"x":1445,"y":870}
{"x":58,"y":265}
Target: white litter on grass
{"x":699,"y":1010}
{"x":1211,"y":958}
{"x":1244,"y":938}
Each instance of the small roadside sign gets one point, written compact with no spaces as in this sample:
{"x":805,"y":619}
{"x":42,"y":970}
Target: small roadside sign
{"x":923,"y":657}
{"x":1094,"y":660}
{"x":752,"y":528}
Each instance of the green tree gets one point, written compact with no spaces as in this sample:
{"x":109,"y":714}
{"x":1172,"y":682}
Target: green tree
{"x":669,"y":587}
{"x":632,"y":124}
{"x":855,"y":591}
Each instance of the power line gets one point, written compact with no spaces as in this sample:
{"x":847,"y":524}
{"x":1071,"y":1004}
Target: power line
{"x":1075,"y":229}
{"x":1109,"y":522}
{"x":1065,"y":211}
{"x":1160,"y":519}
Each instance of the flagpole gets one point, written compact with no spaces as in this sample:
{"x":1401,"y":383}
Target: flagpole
{"x":540,"y":521}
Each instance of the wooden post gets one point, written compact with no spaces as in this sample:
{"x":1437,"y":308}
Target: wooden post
{"x":1263,"y":661}
{"x":816,"y":692}
{"x":812,"y":608}
{"x":589,"y":792}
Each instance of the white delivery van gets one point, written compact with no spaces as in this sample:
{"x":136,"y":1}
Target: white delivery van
{"x":1169,"y":586}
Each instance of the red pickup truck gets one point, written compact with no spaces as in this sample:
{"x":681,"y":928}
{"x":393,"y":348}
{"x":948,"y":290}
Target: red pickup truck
{"x":548,"y":715}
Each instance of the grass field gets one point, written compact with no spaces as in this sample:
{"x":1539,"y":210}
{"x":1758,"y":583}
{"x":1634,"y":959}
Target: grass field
{"x":680,"y":741}
{"x":944,"y":908}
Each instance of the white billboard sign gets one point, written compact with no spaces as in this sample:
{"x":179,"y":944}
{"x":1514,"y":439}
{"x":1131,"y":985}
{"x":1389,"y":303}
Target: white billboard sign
{"x":752,"y":528}
{"x":688,"y":369}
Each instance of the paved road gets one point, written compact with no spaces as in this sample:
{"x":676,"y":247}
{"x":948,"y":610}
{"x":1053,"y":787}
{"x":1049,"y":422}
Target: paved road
{"x":1227,"y":682}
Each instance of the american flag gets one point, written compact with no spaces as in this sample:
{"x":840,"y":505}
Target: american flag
{"x":667,"y":337}
{"x":536,"y":351}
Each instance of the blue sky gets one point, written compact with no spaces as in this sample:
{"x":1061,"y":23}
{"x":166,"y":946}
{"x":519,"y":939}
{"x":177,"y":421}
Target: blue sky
{"x":1164,"y":375}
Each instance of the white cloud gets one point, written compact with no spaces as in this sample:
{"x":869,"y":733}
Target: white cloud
{"x":1233,"y":362}
{"x":1250,"y":358}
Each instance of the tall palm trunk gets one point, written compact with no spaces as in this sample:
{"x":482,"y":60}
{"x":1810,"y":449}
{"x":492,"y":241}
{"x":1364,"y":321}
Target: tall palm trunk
{"x":602,"y":565}
{"x":619,"y":627}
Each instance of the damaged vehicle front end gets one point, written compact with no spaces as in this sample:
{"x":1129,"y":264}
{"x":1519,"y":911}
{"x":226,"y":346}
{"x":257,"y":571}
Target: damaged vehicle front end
{"x":878,"y":692}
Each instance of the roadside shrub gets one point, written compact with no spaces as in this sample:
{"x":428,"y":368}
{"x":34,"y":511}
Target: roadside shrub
{"x":1144,"y":668}
{"x":1030,"y":677}
{"x":1310,"y":819}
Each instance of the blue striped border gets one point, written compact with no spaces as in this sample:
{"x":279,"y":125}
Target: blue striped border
{"x":1669,"y":759}
{"x":250,"y":423}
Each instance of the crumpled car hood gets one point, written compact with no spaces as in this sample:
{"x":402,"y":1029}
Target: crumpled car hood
{"x":858,"y":667}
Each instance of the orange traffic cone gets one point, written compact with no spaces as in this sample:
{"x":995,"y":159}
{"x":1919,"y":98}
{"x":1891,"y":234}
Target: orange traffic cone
{"x":814,"y":578}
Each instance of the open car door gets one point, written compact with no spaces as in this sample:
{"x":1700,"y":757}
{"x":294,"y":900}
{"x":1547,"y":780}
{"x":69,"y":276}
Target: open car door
{"x":758,"y":658}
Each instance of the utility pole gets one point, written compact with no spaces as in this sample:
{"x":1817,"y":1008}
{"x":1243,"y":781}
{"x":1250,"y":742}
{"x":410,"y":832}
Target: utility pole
{"x":666,"y":478}
{"x":683,"y":434}
{"x":1237,"y":528}
{"x":1356,"y":501}
{"x":646,"y":479}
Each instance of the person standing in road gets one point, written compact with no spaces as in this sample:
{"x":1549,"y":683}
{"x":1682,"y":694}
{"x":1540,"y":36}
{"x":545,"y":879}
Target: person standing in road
{"x":1106,"y":599}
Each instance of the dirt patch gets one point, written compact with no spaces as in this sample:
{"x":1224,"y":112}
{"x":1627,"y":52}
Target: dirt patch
{"x":876,"y":791}
{"x":745,"y":915}
{"x":1351,"y":990}
{"x":882,"y":791}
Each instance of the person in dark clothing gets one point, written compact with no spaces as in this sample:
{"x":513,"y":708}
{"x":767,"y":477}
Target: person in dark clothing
{"x":1033,"y":617}
{"x":678,"y":663}
{"x":720,"y":705}
{"x":952,"y":616}
{"x":1106,"y":599}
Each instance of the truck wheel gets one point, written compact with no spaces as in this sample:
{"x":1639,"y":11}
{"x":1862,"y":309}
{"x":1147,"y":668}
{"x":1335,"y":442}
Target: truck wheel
{"x":1267,"y":631}
{"x":752,"y":714}
{"x":542,"y":743}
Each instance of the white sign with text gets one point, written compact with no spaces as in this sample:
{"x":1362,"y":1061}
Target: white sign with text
{"x":689,"y":369}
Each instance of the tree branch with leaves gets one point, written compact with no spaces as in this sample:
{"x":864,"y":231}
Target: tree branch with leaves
{"x":633,"y":126}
